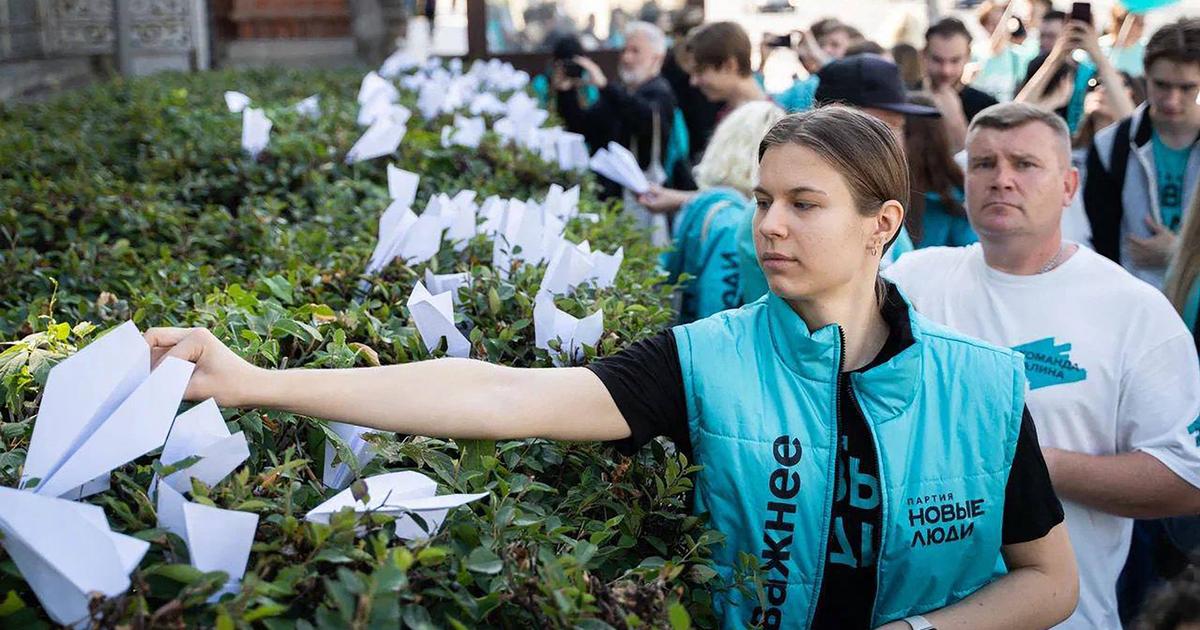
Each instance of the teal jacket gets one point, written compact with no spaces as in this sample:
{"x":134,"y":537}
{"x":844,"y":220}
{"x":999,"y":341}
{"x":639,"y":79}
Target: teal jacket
{"x":754,"y":283}
{"x":943,"y":229}
{"x":762,"y":407}
{"x":705,"y":248}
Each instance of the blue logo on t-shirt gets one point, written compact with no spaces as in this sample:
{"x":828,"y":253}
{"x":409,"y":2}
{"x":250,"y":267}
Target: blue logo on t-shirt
{"x":1194,"y":429}
{"x":1048,"y":364}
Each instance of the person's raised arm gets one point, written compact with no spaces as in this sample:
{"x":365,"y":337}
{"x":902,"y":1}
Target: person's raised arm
{"x":1114,"y":86}
{"x":452,"y":398}
{"x":1040,"y":590}
{"x":1035,"y":87}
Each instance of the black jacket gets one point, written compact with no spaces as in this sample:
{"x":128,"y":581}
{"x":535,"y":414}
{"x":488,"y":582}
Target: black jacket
{"x":622,"y":116}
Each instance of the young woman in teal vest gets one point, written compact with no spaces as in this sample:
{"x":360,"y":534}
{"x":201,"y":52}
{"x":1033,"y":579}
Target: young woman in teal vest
{"x":880,"y":469}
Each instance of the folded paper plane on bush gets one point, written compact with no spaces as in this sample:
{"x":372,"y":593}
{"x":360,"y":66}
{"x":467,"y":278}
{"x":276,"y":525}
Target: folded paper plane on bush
{"x":402,"y":185}
{"x":236,"y":101}
{"x":101,"y":408}
{"x":65,"y":551}
{"x":400,"y":494}
{"x":217,"y":539}
{"x":433,"y":316}
{"x":310,"y":107}
{"x":256,"y":131}
{"x":466,"y":132}
{"x":381,"y":138}
{"x":403,"y":234}
{"x":201,"y":432}
{"x":572,"y":333}
{"x":339,"y":475}
{"x":573,"y":265}
{"x":446,"y":282}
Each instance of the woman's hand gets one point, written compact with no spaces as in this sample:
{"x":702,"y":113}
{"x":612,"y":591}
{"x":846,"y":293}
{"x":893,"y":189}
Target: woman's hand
{"x":220,"y":373}
{"x":1083,"y":35}
{"x":661,"y":200}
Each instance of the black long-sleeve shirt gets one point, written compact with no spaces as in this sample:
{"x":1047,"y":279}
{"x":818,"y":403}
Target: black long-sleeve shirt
{"x":624,"y":116}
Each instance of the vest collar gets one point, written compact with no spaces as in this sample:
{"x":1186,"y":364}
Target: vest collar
{"x":884,"y":391}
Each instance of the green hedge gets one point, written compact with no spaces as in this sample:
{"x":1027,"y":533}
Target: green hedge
{"x":132,"y":200}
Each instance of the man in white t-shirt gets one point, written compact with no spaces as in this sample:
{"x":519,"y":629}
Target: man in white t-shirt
{"x":1114,"y":380}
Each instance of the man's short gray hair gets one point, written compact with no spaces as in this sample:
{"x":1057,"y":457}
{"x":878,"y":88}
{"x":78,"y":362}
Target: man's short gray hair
{"x":1011,"y":115}
{"x":653,"y":35}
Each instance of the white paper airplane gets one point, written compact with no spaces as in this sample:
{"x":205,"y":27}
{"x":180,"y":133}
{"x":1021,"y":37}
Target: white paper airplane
{"x":102,"y":408}
{"x":339,"y":475}
{"x":618,"y":164}
{"x":310,"y":107}
{"x":256,"y":131}
{"x":201,"y":431}
{"x":446,"y":282}
{"x":381,"y":138}
{"x":572,"y":333}
{"x":236,"y":101}
{"x":217,"y":539}
{"x":398,"y":494}
{"x":65,"y":551}
{"x":402,"y":185}
{"x":433,"y":316}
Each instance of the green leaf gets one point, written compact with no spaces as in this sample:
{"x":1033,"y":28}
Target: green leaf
{"x":182,"y":573}
{"x":11,"y":604}
{"x":679,"y":617}
{"x":484,"y":560}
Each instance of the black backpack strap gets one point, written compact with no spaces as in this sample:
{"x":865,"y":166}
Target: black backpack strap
{"x":1120,"y":156}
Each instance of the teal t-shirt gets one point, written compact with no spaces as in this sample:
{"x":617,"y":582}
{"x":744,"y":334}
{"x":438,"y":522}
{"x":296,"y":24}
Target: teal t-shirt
{"x":1191,"y":310}
{"x":942,"y":229}
{"x":1170,"y":166}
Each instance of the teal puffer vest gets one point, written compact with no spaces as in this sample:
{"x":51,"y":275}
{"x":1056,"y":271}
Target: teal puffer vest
{"x":762,"y":407}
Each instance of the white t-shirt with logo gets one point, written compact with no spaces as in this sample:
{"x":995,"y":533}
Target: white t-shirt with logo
{"x":1111,"y":369}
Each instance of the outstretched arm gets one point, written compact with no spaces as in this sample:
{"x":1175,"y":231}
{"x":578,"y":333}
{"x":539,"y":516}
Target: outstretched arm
{"x":453,"y":398}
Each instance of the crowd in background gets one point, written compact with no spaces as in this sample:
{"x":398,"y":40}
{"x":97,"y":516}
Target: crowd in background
{"x":690,"y":102}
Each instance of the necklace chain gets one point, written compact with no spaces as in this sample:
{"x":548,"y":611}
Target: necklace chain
{"x":1054,"y":261}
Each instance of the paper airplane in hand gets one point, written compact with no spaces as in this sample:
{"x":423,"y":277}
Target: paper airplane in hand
{"x":310,"y":107}
{"x":256,"y":131}
{"x":236,"y":101}
{"x":434,"y":318}
{"x":201,"y":432}
{"x":217,"y":540}
{"x":66,"y":551}
{"x":398,"y":494}
{"x":381,"y":138}
{"x":101,"y":408}
{"x":618,"y":164}
{"x":572,"y":333}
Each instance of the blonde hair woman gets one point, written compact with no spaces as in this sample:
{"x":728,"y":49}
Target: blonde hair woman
{"x":1183,"y":278}
{"x":705,"y":244}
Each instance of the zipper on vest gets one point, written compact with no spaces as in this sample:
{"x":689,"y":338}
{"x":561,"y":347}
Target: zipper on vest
{"x":831,"y":475}
{"x":883,"y":505}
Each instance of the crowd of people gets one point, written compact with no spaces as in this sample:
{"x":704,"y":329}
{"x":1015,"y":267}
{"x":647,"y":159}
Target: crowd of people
{"x":937,"y":348}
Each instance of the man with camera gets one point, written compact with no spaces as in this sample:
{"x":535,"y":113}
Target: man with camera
{"x":625,"y":110}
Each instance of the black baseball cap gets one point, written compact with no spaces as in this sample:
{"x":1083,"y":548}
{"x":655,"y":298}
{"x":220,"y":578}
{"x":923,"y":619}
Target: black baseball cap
{"x":867,"y":80}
